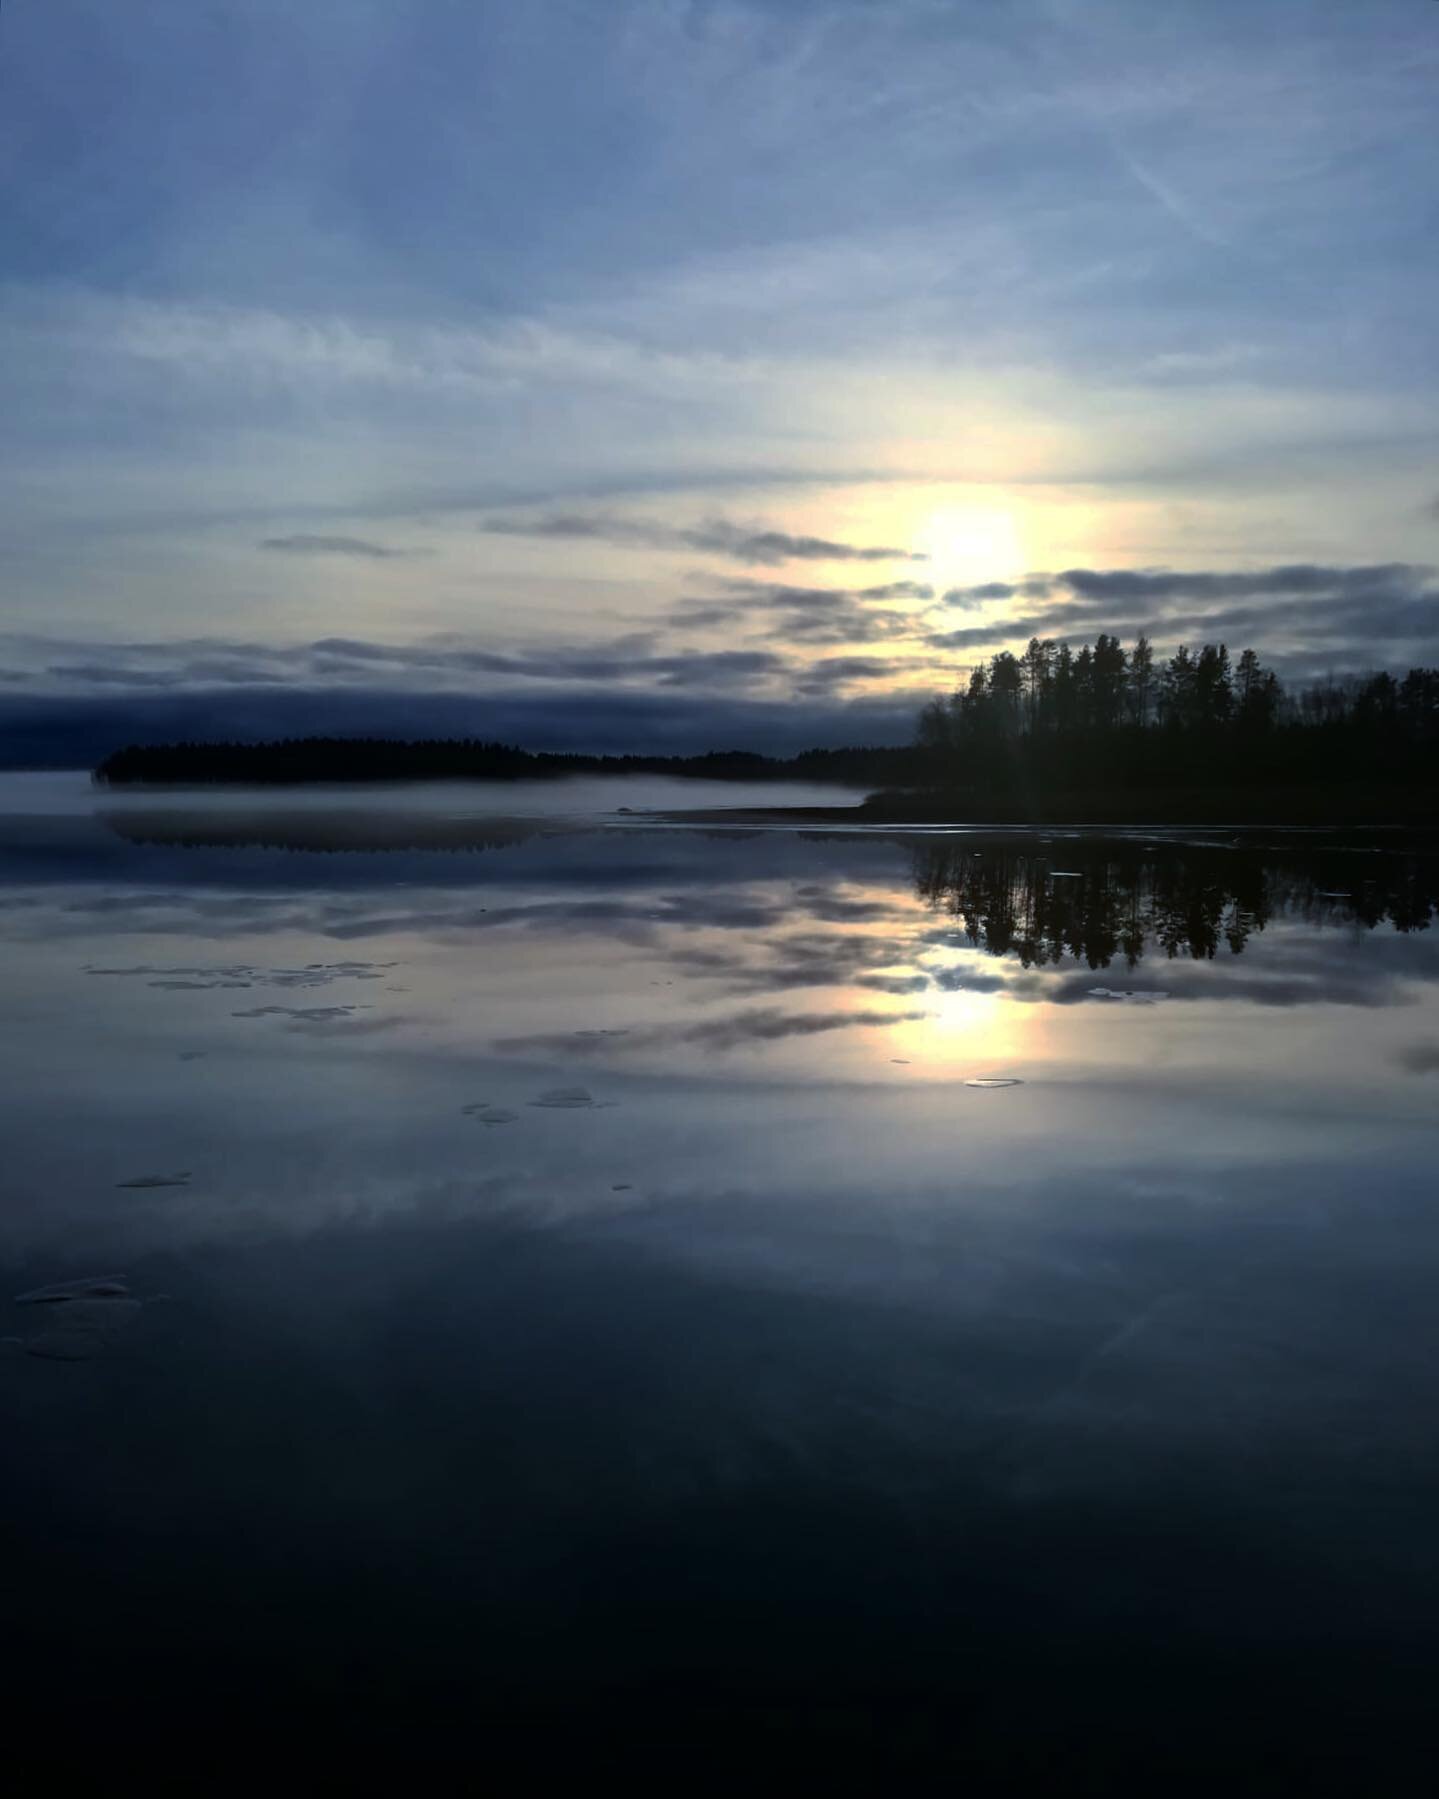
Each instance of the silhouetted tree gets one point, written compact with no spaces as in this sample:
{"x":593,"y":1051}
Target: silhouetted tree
{"x":1141,"y":681}
{"x":1038,"y":664}
{"x":1057,"y":719}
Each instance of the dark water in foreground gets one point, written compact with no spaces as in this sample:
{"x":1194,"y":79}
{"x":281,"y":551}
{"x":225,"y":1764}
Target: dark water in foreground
{"x":798,"y":1399}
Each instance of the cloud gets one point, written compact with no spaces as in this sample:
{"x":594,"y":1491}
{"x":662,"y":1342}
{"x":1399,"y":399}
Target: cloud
{"x":704,"y":618}
{"x":812,"y":615}
{"x":1002,"y":630}
{"x":970,"y":978}
{"x":718,"y":537}
{"x":893,"y":983}
{"x":729,"y":253}
{"x":1269,"y":983}
{"x":801,"y":959}
{"x":841,"y":627}
{"x":1419,"y":1058}
{"x":199,"y":663}
{"x":565,"y":525}
{"x":1110,"y":586}
{"x":1385,"y":611}
{"x":780,"y":546}
{"x":100,"y":674}
{"x":303,"y":1014}
{"x":637,"y":661}
{"x":1104,"y":586}
{"x":780,"y":596}
{"x":307,"y":543}
{"x":761,"y":1025}
{"x":838,"y":671}
{"x":630,"y":659}
{"x":1363,"y":629}
{"x":897,"y":590}
{"x":970,"y":599}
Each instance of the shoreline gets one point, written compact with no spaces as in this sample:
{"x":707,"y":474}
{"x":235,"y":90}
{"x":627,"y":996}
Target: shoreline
{"x":852,"y":820}
{"x":1260,"y":812}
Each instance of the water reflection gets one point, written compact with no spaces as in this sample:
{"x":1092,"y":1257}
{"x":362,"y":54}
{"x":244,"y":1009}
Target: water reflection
{"x":721,"y":1257}
{"x":347,"y":830}
{"x":1178,"y":900}
{"x":322,"y":1011}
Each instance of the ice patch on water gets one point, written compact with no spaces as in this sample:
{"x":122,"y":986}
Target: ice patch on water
{"x":235,"y":975}
{"x":489,"y":1114}
{"x":309,"y":1014}
{"x":194,"y":986}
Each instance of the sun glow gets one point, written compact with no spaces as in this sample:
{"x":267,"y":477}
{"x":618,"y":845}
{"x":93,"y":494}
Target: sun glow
{"x":967,"y":545}
{"x":968,"y":1033}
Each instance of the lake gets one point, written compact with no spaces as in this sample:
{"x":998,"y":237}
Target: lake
{"x":810,"y":1292}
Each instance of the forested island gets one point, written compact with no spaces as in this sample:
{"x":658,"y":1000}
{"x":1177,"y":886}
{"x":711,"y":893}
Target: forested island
{"x":297,"y":761}
{"x":1104,"y":735}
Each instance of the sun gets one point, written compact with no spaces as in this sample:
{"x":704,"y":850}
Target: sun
{"x":968,"y":545}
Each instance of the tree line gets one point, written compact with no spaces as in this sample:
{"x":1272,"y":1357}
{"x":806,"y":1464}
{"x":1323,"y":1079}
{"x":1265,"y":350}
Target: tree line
{"x":293,"y":761}
{"x":1105,"y":720}
{"x":1110,"y":716}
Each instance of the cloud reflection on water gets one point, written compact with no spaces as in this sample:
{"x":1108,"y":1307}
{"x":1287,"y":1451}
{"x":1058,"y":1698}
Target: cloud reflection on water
{"x":770,"y":1010}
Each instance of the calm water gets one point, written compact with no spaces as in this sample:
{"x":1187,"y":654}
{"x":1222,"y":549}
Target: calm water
{"x":796,"y":1392}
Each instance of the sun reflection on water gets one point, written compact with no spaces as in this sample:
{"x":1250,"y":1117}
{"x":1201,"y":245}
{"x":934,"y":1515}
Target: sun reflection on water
{"x":969,"y":1032}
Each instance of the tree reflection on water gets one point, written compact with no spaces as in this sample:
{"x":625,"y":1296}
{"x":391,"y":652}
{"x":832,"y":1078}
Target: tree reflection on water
{"x":1109,"y":900}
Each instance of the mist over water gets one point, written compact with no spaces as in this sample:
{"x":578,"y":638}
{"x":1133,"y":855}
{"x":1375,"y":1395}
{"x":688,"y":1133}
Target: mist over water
{"x":71,"y":793}
{"x":985,"y":1280}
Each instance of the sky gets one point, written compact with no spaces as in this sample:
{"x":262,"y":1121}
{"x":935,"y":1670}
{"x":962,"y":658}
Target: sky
{"x":658,"y":375}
